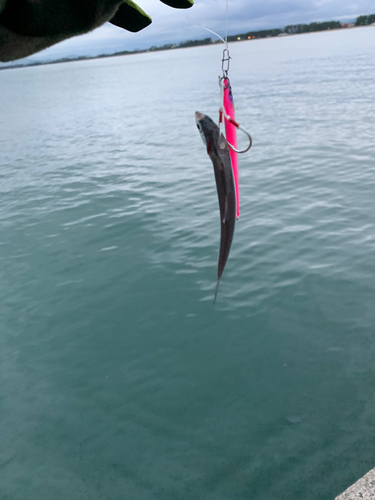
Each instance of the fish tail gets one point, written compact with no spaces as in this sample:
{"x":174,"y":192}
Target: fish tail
{"x":217,"y":289}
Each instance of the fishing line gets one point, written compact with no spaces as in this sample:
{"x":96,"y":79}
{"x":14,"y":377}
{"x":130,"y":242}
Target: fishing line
{"x":204,"y":27}
{"x":225,"y":41}
{"x":226,"y":23}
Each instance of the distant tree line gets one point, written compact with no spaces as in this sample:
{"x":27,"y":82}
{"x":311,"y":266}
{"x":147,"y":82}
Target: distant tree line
{"x":365,"y":20}
{"x":194,"y":43}
{"x":309,"y":28}
{"x":255,"y":34}
{"x":189,"y":43}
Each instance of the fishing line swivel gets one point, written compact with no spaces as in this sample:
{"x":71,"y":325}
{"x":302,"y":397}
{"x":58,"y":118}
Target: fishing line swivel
{"x":225,"y":62}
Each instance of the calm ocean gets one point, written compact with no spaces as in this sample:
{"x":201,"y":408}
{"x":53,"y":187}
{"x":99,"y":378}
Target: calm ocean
{"x":119,"y":379}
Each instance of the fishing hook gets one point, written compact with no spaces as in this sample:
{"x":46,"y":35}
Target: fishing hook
{"x":250,"y":141}
{"x":222,"y":114}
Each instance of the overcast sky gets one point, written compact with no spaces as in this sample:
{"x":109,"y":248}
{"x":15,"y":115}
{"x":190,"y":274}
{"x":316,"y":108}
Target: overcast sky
{"x":171,"y":25}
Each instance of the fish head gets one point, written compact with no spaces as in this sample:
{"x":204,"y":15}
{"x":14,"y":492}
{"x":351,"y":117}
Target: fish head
{"x":208,"y":130}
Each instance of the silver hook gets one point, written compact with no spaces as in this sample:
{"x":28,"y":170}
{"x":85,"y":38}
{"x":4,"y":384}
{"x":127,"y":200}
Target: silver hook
{"x":248,"y":147}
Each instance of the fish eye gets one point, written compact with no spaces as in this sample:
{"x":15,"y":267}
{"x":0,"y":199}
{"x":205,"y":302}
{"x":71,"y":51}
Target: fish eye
{"x":199,"y":127}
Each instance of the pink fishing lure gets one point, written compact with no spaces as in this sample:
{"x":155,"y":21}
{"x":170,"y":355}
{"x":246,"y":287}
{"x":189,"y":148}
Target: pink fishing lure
{"x":231,"y":135}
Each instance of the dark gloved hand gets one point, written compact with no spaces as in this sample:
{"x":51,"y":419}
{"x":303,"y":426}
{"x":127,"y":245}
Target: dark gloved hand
{"x":28,"y":26}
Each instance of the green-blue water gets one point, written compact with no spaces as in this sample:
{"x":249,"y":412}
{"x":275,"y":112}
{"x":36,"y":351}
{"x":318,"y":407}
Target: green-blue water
{"x":119,"y":379}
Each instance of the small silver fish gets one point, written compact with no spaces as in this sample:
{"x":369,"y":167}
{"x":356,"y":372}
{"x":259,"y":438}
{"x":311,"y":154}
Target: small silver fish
{"x":218,"y":151}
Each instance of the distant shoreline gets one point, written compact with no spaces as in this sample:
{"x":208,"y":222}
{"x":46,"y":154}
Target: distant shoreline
{"x":251,"y":36}
{"x":335,"y":29}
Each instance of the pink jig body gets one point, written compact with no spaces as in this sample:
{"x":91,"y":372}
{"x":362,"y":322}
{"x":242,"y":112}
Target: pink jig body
{"x":231,"y":136}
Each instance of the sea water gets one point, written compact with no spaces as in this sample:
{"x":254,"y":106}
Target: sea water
{"x":119,"y":378}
